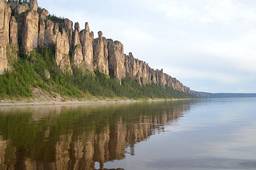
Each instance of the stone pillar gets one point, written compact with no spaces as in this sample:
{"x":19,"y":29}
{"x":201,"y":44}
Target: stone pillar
{"x":62,"y":53}
{"x":50,"y":35}
{"x":13,"y":32}
{"x":31,"y":29}
{"x":87,"y":38}
{"x":116,"y":59}
{"x":77,"y":48}
{"x":100,"y":54}
{"x":33,"y":5}
{"x":42,"y":24}
{"x":129,"y":65}
{"x":5,"y":14}
{"x":68,"y":24}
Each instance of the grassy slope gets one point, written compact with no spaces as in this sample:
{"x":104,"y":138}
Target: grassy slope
{"x":30,"y":72}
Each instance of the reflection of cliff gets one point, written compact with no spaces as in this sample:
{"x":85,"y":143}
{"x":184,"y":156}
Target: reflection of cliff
{"x":3,"y":146}
{"x":86,"y":138}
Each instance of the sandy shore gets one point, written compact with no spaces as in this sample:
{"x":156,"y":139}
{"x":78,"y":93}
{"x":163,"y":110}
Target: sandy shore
{"x":86,"y":102}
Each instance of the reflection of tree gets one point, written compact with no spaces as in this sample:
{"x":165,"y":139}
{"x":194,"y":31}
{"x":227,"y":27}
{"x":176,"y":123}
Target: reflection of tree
{"x":76,"y":139}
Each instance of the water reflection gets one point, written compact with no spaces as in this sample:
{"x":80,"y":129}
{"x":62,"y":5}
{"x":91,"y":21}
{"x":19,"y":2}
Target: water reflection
{"x":79,"y":138}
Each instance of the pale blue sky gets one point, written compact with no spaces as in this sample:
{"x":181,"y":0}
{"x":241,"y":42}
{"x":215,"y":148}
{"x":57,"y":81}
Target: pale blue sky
{"x":210,"y":45}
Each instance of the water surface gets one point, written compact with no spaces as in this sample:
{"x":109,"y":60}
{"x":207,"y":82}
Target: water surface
{"x":216,"y":134}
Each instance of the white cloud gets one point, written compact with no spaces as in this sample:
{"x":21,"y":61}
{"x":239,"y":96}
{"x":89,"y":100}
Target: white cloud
{"x":205,"y":11}
{"x":197,"y":74}
{"x":240,"y":52}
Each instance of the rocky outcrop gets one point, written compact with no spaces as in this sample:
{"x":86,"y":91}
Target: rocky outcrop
{"x":30,"y":30}
{"x":100,"y":54}
{"x":5,"y":14}
{"x":33,"y":5}
{"x":62,"y":52}
{"x":68,"y":25}
{"x":128,"y":64}
{"x":77,"y":54}
{"x":86,"y":38}
{"x":31,"y":27}
{"x":13,"y":32}
{"x":51,"y":32}
{"x":138,"y":70}
{"x":116,"y":59}
{"x":43,"y":14}
{"x":20,"y":8}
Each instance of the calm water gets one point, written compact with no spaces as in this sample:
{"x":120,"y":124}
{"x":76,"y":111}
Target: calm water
{"x":217,"y":134}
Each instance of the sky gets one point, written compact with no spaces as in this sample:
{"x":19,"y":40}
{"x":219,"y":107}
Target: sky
{"x":209,"y":45}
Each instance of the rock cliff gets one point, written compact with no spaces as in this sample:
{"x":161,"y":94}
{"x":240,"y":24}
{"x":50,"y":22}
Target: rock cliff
{"x":28,"y":27}
{"x":100,"y":54}
{"x":116,"y":59}
{"x":5,"y":14}
{"x":87,"y":38}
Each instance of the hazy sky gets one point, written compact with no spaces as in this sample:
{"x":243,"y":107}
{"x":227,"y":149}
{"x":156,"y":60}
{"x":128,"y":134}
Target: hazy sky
{"x":210,"y":45}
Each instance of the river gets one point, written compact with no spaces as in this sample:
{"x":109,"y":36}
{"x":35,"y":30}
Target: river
{"x":209,"y":134}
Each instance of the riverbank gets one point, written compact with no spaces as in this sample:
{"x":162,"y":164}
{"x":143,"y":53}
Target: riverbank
{"x":84,"y":102}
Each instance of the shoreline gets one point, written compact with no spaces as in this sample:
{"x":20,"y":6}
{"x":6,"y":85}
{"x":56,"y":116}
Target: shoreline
{"x":85,"y":102}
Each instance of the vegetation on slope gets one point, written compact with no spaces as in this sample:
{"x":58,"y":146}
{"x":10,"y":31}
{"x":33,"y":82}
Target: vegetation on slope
{"x":38,"y":70}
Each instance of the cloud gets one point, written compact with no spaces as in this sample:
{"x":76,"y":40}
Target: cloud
{"x":240,"y":51}
{"x":204,"y":11}
{"x":213,"y":75}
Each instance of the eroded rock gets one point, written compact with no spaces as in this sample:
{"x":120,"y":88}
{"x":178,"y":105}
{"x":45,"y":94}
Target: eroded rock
{"x":33,"y":5}
{"x":100,"y":54}
{"x":21,"y":8}
{"x":86,"y":38}
{"x":128,"y":63}
{"x":30,"y":32}
{"x":116,"y":59}
{"x":5,"y":14}
{"x":68,"y":25}
{"x":77,"y":54}
{"x":51,"y":32}
{"x":14,"y":32}
{"x":62,"y":52}
{"x":43,"y":14}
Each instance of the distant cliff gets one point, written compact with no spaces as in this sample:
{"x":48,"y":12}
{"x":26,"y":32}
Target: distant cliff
{"x":26,"y":27}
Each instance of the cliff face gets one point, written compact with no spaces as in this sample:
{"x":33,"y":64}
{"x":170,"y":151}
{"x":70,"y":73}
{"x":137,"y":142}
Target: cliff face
{"x":116,"y":59}
{"x":28,"y":27}
{"x":5,"y":14}
{"x":100,"y":54}
{"x":87,"y":38}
